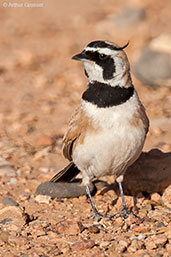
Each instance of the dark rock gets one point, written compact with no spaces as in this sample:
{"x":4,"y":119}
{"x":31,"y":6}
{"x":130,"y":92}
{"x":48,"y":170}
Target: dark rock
{"x":62,"y":190}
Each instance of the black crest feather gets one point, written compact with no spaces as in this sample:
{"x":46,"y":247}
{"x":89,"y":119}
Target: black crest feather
{"x":105,"y":44}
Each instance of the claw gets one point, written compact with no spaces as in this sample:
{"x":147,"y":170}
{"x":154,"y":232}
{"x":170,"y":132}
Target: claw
{"x":98,"y":216}
{"x":123,"y":213}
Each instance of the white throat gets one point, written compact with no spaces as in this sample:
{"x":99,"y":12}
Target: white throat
{"x":95,"y":73}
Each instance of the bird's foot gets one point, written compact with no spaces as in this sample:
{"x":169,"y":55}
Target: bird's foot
{"x":98,"y":216}
{"x":123,"y":213}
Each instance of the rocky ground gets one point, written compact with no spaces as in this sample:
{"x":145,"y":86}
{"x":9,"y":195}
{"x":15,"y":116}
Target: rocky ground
{"x":40,"y":86}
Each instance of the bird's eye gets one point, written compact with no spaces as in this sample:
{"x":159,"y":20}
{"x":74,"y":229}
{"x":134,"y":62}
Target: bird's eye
{"x":102,"y":56}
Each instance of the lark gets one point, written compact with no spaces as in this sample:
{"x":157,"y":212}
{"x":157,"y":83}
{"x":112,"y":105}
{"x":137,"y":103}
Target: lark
{"x":108,"y":129}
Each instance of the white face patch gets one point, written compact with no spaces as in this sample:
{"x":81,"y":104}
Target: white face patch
{"x":94,"y":71}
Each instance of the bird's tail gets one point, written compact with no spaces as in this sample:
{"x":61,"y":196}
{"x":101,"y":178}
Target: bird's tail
{"x":67,"y":174}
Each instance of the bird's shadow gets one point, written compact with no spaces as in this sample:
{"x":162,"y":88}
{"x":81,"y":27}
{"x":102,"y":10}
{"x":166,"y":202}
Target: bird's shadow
{"x":151,"y":173}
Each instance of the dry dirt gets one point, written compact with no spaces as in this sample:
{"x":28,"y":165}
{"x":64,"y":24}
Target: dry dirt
{"x":40,"y":86}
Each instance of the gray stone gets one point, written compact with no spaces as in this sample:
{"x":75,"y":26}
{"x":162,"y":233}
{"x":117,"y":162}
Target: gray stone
{"x":7,"y":201}
{"x":5,"y":221}
{"x":62,"y":190}
{"x":153,"y":67}
{"x":5,"y":167}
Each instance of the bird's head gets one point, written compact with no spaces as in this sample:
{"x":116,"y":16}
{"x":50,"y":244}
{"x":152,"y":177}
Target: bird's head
{"x":104,"y":62}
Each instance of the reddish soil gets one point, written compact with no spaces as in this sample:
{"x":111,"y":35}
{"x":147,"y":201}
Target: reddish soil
{"x":40,"y":87}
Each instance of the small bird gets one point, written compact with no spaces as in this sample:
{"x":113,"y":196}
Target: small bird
{"x":107,"y":131}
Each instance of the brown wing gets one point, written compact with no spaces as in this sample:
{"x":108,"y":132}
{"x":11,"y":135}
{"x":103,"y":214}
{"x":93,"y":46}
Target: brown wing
{"x":79,"y":124}
{"x":140,"y":118}
{"x":73,"y":132}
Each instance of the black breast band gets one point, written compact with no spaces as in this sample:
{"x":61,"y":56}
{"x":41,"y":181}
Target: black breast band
{"x":103,"y":95}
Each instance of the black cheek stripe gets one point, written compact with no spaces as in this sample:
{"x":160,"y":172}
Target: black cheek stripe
{"x":108,"y":68}
{"x":107,"y":65}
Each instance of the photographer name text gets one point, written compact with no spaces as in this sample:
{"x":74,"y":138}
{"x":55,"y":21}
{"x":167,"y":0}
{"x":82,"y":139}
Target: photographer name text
{"x":20,"y":5}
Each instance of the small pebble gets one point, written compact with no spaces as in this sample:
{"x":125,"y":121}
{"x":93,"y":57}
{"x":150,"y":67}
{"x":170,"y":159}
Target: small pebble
{"x":25,"y":196}
{"x":156,"y":197}
{"x":141,"y":236}
{"x":104,"y":244}
{"x":168,"y":232}
{"x":166,"y":198}
{"x":13,"y":227}
{"x":4,"y":235}
{"x":122,"y":246}
{"x":128,"y":200}
{"x":11,"y":173}
{"x":13,"y":181}
{"x":52,"y":234}
{"x":7,"y":170}
{"x":69,"y":227}
{"x":43,"y":199}
{"x":150,"y":244}
{"x":160,"y":240}
{"x":81,"y":245}
{"x":40,"y":233}
{"x":44,"y":169}
{"x":142,"y":228}
{"x":13,"y":215}
{"x":135,"y":245}
{"x":145,"y":255}
{"x":18,"y":172}
{"x":93,"y":229}
{"x":9,"y":201}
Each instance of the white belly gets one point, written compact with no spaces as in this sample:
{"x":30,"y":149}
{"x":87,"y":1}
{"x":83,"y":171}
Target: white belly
{"x":109,"y":152}
{"x":114,"y":146}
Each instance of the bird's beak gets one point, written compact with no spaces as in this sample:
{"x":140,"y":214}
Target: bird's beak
{"x":79,"y":57}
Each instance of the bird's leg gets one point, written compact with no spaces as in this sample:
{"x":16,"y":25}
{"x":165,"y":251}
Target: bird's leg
{"x":96,"y":214}
{"x":124,"y":211}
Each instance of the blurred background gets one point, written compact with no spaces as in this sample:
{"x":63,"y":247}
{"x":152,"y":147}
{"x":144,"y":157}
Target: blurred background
{"x":40,"y":85}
